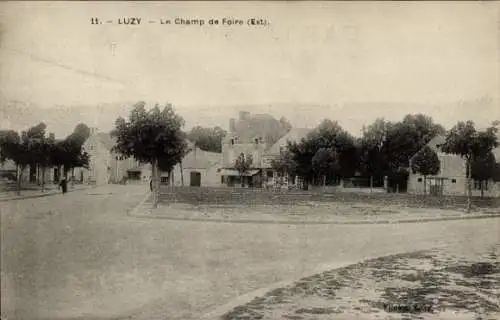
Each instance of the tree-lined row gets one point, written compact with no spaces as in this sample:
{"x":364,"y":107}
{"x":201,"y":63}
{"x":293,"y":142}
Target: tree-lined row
{"x":37,"y":148}
{"x":386,"y":148}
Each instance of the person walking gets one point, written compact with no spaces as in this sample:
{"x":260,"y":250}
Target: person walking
{"x":63,"y":185}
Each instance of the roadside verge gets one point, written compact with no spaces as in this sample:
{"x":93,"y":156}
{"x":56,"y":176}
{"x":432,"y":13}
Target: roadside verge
{"x":255,"y":215}
{"x":40,"y":194}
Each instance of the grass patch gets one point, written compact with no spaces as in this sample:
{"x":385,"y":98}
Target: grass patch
{"x":317,"y":310}
{"x":247,"y":196}
{"x":475,"y":270}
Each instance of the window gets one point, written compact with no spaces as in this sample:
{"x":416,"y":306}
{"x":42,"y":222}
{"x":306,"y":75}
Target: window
{"x":256,"y":140}
{"x":269,"y":174}
{"x":453,"y":180}
{"x":419,"y":180}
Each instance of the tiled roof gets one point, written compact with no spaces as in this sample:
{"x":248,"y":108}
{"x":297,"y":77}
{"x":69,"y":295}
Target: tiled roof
{"x":295,"y":134}
{"x":256,"y":125}
{"x":435,"y":142}
{"x":200,"y":159}
{"x":438,"y":140}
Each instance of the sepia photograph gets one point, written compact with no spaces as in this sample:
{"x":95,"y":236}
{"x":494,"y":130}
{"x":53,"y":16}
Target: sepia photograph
{"x":250,"y":160}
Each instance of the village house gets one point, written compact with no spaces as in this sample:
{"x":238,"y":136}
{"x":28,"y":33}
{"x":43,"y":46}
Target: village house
{"x":245,"y":136}
{"x":8,"y":172}
{"x":198,"y":168}
{"x":106,"y":166}
{"x":260,"y":137}
{"x":452,"y":176}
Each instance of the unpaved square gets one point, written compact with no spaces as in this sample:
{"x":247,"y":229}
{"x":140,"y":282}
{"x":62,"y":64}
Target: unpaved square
{"x":436,"y":284}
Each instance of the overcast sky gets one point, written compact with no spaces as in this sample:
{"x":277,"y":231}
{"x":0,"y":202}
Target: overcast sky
{"x":325,"y":53}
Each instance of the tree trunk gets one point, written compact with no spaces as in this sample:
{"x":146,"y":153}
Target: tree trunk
{"x":182,"y":174}
{"x":425,"y":185}
{"x":39,"y":175}
{"x":19,"y":170}
{"x":482,"y":189}
{"x":72,"y":177}
{"x":371,"y":184}
{"x":172,"y":180}
{"x":469,"y":186}
{"x":43,"y":179}
{"x":156,"y":185}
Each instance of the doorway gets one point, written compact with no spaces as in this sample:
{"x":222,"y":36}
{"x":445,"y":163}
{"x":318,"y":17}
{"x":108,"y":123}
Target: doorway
{"x":195,"y":179}
{"x":56,"y":174}
{"x":436,"y":186}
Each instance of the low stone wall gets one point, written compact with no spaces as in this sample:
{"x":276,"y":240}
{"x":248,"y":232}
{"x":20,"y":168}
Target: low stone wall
{"x":334,"y":189}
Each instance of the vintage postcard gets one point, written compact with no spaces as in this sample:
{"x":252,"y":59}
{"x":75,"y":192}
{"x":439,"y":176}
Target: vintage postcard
{"x":250,"y":160}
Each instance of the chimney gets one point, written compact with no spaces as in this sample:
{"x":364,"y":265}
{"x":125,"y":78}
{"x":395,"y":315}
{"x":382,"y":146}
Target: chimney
{"x":232,"y":125}
{"x":94,"y":130}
